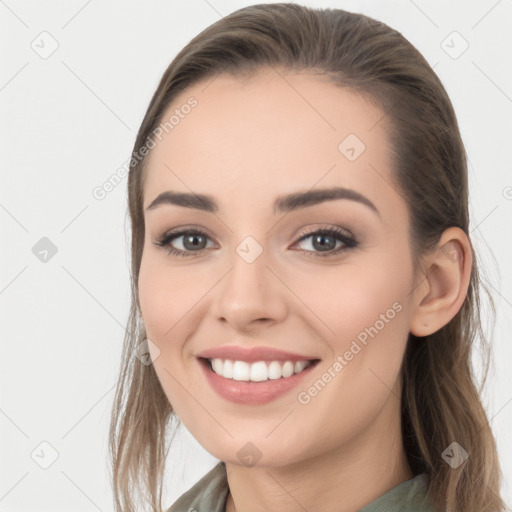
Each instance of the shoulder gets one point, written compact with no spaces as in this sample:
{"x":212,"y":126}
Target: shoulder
{"x":207,"y":495}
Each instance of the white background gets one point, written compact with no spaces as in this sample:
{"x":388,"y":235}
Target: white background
{"x":68,"y":122}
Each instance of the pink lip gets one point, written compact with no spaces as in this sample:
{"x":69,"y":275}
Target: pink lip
{"x":251,"y":355}
{"x":251,"y":393}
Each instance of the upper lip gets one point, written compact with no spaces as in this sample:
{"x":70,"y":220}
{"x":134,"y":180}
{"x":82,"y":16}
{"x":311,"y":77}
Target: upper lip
{"x":253,"y":354}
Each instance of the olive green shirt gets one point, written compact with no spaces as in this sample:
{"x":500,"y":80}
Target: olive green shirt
{"x":210,"y":494}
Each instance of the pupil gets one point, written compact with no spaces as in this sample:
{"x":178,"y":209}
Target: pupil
{"x":322,"y":239}
{"x":194,"y":243}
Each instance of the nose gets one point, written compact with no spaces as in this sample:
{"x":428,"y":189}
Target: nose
{"x":250,"y":295}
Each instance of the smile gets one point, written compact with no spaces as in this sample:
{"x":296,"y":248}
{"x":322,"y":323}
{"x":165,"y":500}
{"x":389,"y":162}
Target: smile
{"x":254,"y":383}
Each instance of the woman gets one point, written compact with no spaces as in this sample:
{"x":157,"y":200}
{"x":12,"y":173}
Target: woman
{"x":303,"y":278}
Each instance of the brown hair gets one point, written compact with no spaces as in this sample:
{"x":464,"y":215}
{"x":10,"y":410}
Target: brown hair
{"x":440,"y":402}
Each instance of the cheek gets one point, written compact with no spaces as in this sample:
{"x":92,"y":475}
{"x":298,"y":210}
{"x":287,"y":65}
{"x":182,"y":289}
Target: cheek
{"x":365,"y":306}
{"x":164,"y":302}
{"x":153,"y":295}
{"x":349,"y":299}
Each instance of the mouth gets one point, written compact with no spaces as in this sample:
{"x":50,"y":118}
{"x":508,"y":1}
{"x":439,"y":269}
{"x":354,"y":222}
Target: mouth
{"x":254,"y":383}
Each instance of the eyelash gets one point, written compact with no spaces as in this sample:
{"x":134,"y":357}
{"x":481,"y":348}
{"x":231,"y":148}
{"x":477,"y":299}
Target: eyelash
{"x":348,"y":241}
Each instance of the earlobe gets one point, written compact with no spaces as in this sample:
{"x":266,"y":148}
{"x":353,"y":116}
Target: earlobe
{"x":445,"y":283}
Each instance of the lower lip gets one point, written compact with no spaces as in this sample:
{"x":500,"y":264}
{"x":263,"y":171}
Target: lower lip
{"x":252,"y":393}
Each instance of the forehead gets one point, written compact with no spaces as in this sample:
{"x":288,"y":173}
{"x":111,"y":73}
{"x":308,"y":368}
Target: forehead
{"x":271,"y":133}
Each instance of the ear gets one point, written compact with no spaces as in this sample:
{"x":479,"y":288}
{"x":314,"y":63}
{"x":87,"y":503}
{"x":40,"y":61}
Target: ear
{"x":443,"y":284}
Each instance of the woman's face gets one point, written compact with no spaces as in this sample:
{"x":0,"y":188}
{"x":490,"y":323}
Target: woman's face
{"x":261,"y":270}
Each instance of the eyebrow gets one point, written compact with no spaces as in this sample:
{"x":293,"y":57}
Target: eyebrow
{"x":282,"y":204}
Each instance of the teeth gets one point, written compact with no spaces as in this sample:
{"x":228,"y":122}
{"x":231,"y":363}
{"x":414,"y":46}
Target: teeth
{"x":288,"y":369}
{"x":217,"y":365}
{"x":300,"y":365}
{"x":241,"y":370}
{"x":256,"y":372}
{"x":228,"y":369}
{"x":274,"y":370}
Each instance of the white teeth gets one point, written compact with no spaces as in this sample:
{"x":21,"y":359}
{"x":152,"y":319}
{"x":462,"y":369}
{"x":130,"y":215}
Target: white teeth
{"x":288,"y":369}
{"x":300,"y":365}
{"x":274,"y":370}
{"x":227,"y":369}
{"x":258,"y":371}
{"x":241,"y":370}
{"x":217,"y":365}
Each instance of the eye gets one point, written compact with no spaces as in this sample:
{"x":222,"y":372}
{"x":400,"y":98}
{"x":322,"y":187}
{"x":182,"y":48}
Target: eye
{"x":323,"y":242}
{"x":193,"y":242}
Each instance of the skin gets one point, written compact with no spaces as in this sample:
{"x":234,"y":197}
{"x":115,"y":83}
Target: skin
{"x":247,"y":142}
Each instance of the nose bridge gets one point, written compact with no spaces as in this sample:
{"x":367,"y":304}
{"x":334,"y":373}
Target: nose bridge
{"x":250,"y":290}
